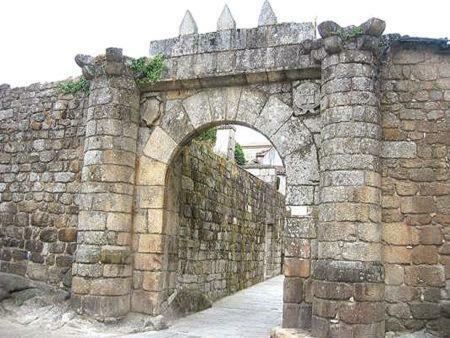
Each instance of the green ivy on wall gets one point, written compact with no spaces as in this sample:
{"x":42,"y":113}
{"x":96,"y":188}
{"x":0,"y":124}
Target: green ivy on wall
{"x":208,"y":135}
{"x":148,"y":71}
{"x":352,"y":33}
{"x":72,"y":87}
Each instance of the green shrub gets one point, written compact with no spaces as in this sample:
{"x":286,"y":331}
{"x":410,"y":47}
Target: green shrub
{"x":71,"y":87}
{"x":208,"y":135}
{"x":148,"y":71}
{"x":239,"y":155}
{"x":354,"y":32}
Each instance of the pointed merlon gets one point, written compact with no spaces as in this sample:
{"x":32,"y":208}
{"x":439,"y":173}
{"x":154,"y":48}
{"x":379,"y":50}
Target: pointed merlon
{"x":188,"y":25}
{"x":267,"y":16}
{"x":226,"y":20}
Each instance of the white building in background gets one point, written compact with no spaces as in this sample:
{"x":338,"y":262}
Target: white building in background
{"x":262,"y":158}
{"x":266,"y":164}
{"x":225,"y":141}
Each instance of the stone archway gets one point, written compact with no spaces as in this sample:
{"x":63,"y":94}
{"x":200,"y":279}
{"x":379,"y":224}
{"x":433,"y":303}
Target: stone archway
{"x":182,"y":118}
{"x":110,"y":272}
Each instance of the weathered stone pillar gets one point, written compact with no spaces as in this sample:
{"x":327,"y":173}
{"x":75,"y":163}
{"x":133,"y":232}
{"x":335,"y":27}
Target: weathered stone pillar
{"x":348,"y":275}
{"x":103,"y":265}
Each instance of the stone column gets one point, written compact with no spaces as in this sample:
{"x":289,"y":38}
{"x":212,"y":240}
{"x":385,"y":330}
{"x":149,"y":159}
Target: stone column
{"x":103,"y":265}
{"x":348,"y":274}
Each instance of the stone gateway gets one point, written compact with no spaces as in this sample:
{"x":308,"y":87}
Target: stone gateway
{"x":360,"y":119}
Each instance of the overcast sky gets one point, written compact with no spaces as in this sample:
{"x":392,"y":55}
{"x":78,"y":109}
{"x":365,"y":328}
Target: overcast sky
{"x":39,"y":38}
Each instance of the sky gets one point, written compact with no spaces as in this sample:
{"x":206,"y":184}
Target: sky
{"x":245,"y":135}
{"x":40,"y":38}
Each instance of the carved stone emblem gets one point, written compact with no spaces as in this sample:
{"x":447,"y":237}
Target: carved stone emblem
{"x":306,"y":97}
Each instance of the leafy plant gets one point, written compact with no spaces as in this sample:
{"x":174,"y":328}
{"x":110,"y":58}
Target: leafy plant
{"x":148,"y":71}
{"x":348,"y":34}
{"x":239,"y":155}
{"x":208,"y":135}
{"x":71,"y":87}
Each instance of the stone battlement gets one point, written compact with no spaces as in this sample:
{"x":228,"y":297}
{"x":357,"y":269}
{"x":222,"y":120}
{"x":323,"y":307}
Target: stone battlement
{"x":230,"y":56}
{"x":282,"y":34}
{"x":227,"y":38}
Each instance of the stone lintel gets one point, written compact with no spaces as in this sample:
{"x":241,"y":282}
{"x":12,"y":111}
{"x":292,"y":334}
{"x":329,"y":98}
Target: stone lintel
{"x":239,"y":79}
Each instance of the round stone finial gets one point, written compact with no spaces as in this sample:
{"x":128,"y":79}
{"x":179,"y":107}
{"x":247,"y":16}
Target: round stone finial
{"x":373,"y":27}
{"x":4,"y":86}
{"x":328,"y":28}
{"x":85,"y":62}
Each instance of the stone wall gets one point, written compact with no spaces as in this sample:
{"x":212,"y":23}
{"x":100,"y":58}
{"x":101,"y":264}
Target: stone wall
{"x":176,"y":116}
{"x":266,"y":173}
{"x":41,"y":143}
{"x":366,"y":239}
{"x":229,"y":224}
{"x":415,"y":101}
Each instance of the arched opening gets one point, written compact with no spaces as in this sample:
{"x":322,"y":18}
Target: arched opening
{"x":224,"y":224}
{"x":184,"y":116}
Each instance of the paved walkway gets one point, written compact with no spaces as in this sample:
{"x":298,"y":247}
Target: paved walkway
{"x":249,"y":313}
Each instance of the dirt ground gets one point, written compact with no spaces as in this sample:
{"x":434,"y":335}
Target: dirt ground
{"x":45,"y":312}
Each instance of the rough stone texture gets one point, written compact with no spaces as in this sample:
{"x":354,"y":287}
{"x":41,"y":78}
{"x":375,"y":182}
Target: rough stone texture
{"x":267,"y":107}
{"x":10,"y":283}
{"x":237,"y":56}
{"x":416,"y":187}
{"x":188,"y":25}
{"x":226,"y":20}
{"x":41,"y":143}
{"x":214,"y":229}
{"x":227,"y":225}
{"x":348,"y":276}
{"x":367,"y":187}
{"x":267,"y":16}
{"x":102,"y":278}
